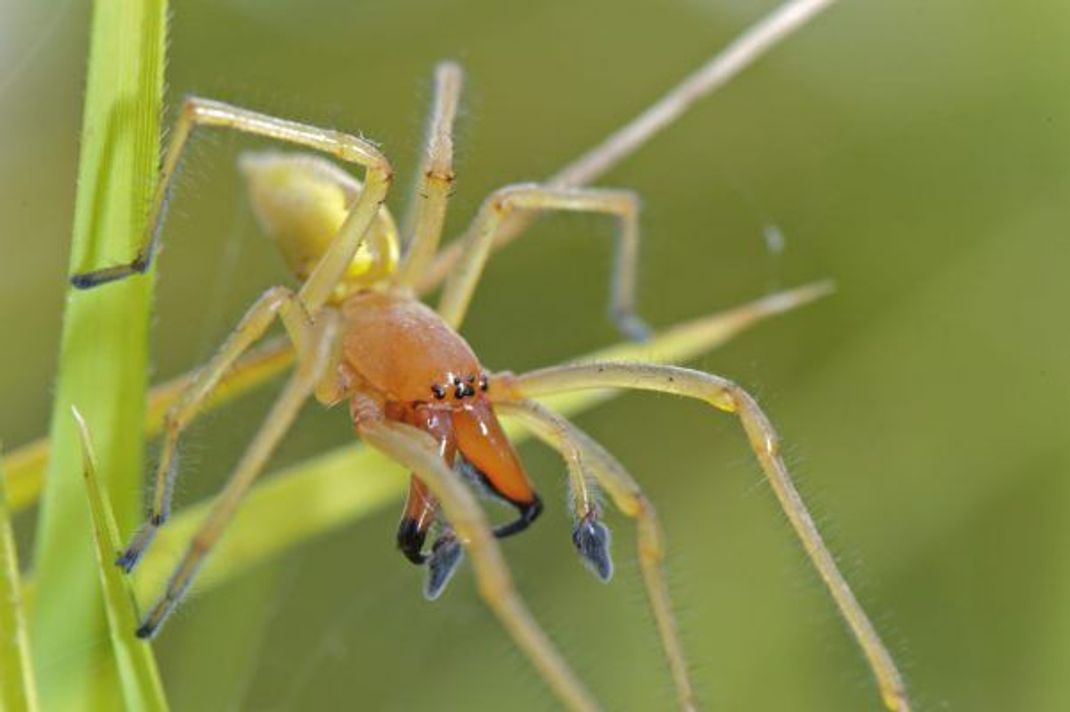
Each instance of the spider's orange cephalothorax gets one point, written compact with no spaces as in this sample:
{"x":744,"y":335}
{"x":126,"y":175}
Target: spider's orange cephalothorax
{"x":300,"y":201}
{"x":402,"y":353}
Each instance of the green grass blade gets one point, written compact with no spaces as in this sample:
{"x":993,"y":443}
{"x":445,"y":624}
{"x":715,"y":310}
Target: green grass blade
{"x":103,"y":353}
{"x":18,"y":692}
{"x":347,"y":483}
{"x":142,"y":689}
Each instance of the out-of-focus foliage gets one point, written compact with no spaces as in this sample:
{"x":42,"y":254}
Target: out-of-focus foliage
{"x":915,"y":152}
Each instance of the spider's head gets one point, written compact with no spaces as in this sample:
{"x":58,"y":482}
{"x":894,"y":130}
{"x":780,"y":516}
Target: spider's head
{"x":300,"y":201}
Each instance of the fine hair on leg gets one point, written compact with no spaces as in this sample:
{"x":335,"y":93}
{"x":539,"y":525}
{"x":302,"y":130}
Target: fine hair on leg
{"x":422,"y":228}
{"x":622,"y":204}
{"x":310,"y":370}
{"x":725,"y":395}
{"x":276,"y":302}
{"x":576,"y":446}
{"x":346,"y":147}
{"x":417,"y":451}
{"x":745,"y":50}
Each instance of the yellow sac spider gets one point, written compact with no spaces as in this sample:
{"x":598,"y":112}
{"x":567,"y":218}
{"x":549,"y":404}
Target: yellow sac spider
{"x":418,"y":393}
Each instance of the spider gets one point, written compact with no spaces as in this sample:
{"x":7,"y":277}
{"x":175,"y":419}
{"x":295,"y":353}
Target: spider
{"x":418,"y":393}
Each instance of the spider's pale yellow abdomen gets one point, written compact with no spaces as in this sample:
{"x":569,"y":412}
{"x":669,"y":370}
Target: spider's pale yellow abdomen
{"x":300,"y":201}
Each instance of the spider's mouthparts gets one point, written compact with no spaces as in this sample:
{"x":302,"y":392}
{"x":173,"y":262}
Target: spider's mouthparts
{"x":411,"y":540}
{"x":592,"y":538}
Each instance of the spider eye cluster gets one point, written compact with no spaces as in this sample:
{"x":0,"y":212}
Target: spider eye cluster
{"x":300,"y":200}
{"x":460,"y":387}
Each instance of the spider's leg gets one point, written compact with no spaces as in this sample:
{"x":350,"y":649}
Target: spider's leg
{"x":746,"y":49}
{"x":206,"y":112}
{"x":507,"y":201}
{"x":680,"y":343}
{"x":310,"y":371}
{"x":276,"y":302}
{"x":423,"y":224}
{"x":586,"y":458}
{"x":417,"y":451}
{"x":727,"y":396}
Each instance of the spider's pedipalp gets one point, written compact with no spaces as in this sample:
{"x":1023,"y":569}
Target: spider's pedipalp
{"x":417,"y":450}
{"x":592,"y":539}
{"x":446,"y":555}
{"x":411,"y":537}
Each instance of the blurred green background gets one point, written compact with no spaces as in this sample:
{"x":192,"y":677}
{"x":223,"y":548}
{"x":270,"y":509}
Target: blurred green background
{"x":914,"y":152}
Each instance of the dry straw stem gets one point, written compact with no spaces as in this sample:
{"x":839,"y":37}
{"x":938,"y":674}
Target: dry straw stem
{"x":737,"y":56}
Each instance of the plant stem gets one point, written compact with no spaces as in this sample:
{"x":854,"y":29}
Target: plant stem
{"x":102,"y":364}
{"x":18,"y":691}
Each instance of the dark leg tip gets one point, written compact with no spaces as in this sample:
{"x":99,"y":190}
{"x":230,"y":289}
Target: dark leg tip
{"x":88,"y":280}
{"x":633,"y":327}
{"x":128,"y":559}
{"x":446,"y":554}
{"x":145,"y":631}
{"x":83,"y":281}
{"x":592,"y":538}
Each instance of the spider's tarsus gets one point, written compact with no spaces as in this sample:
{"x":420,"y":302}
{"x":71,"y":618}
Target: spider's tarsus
{"x":446,"y":554}
{"x":145,"y":631}
{"x":633,"y":327}
{"x":128,"y":559}
{"x":592,"y":538}
{"x":88,"y":280}
{"x":95,"y":278}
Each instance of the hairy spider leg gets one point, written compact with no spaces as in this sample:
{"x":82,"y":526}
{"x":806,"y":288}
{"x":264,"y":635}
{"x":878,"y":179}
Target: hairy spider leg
{"x":296,"y":311}
{"x":505,"y":201}
{"x":311,"y":370}
{"x":346,"y":147}
{"x":427,"y":376}
{"x":725,"y":395}
{"x":276,"y":302}
{"x":755,"y":42}
{"x":422,"y":228}
{"x":419,"y":452}
{"x":592,"y":537}
{"x":418,"y":516}
{"x":471,"y":441}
